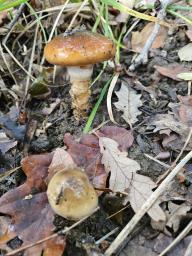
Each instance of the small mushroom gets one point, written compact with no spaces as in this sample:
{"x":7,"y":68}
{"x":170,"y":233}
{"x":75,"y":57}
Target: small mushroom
{"x":78,"y":52}
{"x":71,"y":195}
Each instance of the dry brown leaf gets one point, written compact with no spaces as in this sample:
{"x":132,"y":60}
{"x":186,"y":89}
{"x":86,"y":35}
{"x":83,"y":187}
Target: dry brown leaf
{"x":86,"y":153}
{"x":189,"y":34}
{"x":174,"y":215}
{"x":185,"y":53}
{"x":124,"y":178}
{"x":171,"y":70}
{"x":123,"y":16}
{"x":139,"y":39}
{"x":117,"y":162}
{"x":128,"y":102}
{"x":5,"y":143}
{"x":61,"y":160}
{"x":50,"y":109}
{"x":31,"y":212}
{"x":185,"y":109}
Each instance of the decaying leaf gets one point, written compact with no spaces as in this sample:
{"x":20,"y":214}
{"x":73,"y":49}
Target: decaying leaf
{"x":185,"y":53}
{"x":139,"y":38}
{"x":129,"y":102}
{"x":61,"y":160}
{"x":163,"y":122}
{"x":117,"y":162}
{"x":49,"y":110}
{"x":175,"y":213}
{"x":11,"y":126}
{"x":86,"y":153}
{"x":5,"y":143}
{"x":123,"y":16}
{"x":171,"y":70}
{"x":189,"y":34}
{"x":185,"y":109}
{"x":125,"y":178}
{"x":31,"y":212}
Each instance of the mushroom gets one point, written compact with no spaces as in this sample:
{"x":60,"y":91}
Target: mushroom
{"x":71,"y":195}
{"x":78,"y":52}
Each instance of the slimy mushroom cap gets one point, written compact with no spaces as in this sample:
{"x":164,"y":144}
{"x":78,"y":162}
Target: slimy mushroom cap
{"x":71,"y":195}
{"x":79,"y":49}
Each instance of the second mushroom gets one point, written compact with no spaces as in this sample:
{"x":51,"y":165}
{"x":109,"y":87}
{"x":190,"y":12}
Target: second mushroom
{"x":78,"y":52}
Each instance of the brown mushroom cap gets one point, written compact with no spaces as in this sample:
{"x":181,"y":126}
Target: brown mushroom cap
{"x":71,"y":195}
{"x":78,"y":49}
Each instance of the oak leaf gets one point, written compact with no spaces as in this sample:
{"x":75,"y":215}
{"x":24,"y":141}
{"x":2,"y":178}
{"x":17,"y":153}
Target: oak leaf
{"x":124,"y":178}
{"x":128,"y":102}
{"x":86,"y":151}
{"x":139,"y":38}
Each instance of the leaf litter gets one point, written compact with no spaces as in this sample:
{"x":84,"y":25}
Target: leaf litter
{"x":128,"y":102}
{"x":156,"y":142}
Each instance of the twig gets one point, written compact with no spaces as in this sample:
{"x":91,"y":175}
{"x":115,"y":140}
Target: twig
{"x":30,"y":67}
{"x":146,"y":206}
{"x":157,"y":161}
{"x":185,"y":231}
{"x":84,"y":3}
{"x":107,"y":235}
{"x":142,"y":58}
{"x":62,"y":232}
{"x":13,"y":22}
{"x":11,"y":26}
{"x":115,"y":213}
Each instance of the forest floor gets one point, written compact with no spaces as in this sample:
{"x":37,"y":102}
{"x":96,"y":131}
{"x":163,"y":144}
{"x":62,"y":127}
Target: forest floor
{"x":143,"y":122}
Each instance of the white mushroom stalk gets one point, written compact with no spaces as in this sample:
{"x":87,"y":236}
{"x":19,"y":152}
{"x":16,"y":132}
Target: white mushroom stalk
{"x":80,"y":78}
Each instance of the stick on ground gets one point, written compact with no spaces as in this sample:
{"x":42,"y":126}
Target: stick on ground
{"x":146,"y":206}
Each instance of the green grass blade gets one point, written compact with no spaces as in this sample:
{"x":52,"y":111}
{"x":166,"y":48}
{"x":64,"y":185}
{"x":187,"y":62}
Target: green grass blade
{"x":187,"y":20}
{"x":39,"y":21}
{"x":6,"y":6}
{"x":95,"y":109}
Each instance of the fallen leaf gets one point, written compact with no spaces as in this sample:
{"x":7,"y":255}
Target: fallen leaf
{"x":61,"y":160}
{"x":5,"y":143}
{"x":31,"y":212}
{"x":185,"y":109}
{"x":123,"y":16}
{"x":139,"y":39}
{"x":162,"y":122}
{"x":171,"y":70}
{"x":175,"y":213}
{"x":86,"y":153}
{"x":189,"y":34}
{"x":163,"y":241}
{"x":128,"y":102}
{"x":185,"y":76}
{"x":185,"y":53}
{"x":3,"y":16}
{"x":50,"y":109}
{"x":11,"y":126}
{"x":117,"y":162}
{"x":124,"y":178}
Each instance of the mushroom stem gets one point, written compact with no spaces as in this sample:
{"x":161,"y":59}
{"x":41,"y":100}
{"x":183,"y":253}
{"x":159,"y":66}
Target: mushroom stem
{"x":80,"y":81}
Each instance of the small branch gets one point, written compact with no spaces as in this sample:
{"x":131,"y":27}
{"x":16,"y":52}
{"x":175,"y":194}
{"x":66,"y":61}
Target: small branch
{"x":178,"y":238}
{"x":61,"y":232}
{"x":146,"y":206}
{"x":157,"y":161}
{"x":142,"y":58}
